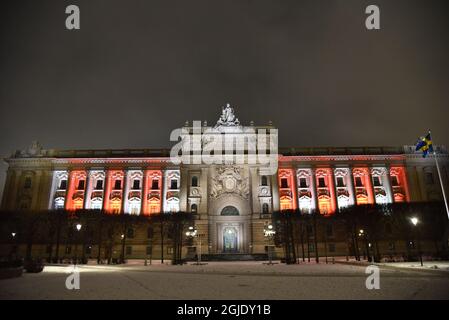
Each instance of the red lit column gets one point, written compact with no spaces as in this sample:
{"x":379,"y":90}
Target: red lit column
{"x":333,"y":192}
{"x":107,"y":191}
{"x":313,"y":189}
{"x":144,"y":196}
{"x":369,"y":186}
{"x":405,"y":183}
{"x":294,"y":188}
{"x":70,"y":191}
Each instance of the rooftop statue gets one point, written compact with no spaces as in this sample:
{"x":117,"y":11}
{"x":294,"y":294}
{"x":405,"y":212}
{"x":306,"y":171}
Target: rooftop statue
{"x":227,"y":118}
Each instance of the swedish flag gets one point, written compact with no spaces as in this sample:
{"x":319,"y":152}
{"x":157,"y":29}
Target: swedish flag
{"x":424,"y":144}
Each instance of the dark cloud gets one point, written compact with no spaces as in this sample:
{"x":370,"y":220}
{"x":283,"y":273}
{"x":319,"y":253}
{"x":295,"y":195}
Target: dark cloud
{"x":138,"y":69}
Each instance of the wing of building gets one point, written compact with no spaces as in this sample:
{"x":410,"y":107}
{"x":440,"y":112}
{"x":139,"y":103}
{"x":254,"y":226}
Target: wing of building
{"x":229,"y":201}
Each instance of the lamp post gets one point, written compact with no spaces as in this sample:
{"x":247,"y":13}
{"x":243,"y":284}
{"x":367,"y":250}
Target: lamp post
{"x":269,"y":232}
{"x":363,"y":235}
{"x":192,"y":232}
{"x":415,"y":221}
{"x":78,"y":227}
{"x":122,"y":252}
{"x":13,"y":235}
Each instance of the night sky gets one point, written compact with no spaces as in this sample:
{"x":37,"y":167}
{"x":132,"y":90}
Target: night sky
{"x":138,"y":69}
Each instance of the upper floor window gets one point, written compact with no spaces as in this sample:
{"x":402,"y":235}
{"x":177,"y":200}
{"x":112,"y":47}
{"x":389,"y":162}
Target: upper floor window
{"x":27,"y":184}
{"x":302,"y":182}
{"x":358,"y":182}
{"x":284,"y":183}
{"x":376,"y":182}
{"x":429,"y":178}
{"x":194,"y":208}
{"x":340,"y":182}
{"x":80,"y":185}
{"x":117,"y":184}
{"x":130,"y":233}
{"x":99,"y":185}
{"x":321,"y":182}
{"x":394,"y":181}
{"x":173,"y":184}
{"x":63,"y":184}
{"x":194,"y":181}
{"x":264,"y":181}
{"x":136,"y":184}
{"x":265,"y":208}
{"x":155,"y":184}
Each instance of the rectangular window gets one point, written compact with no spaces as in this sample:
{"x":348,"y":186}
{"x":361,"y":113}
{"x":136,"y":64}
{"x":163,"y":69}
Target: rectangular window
{"x":331,"y":247}
{"x":340,"y":182}
{"x":99,"y":185}
{"x":63,"y":184}
{"x":88,"y":249}
{"x":394,"y":181}
{"x":376,"y":182}
{"x":169,"y":250}
{"x":302,"y":182}
{"x":130,"y":233}
{"x":173,"y":184}
{"x":136,"y":184}
{"x":118,"y":184}
{"x":429,"y":178}
{"x":155,"y":184}
{"x":321,"y":183}
{"x":68,"y":250}
{"x":358,"y":182}
{"x":284,"y":183}
{"x":129,"y":250}
{"x":80,"y":185}
{"x":27,"y":184}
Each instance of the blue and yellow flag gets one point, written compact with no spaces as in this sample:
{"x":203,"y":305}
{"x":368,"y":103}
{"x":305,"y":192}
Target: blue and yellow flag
{"x":424,"y":144}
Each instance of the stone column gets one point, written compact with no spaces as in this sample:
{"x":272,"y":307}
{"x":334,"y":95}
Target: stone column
{"x":144,"y":193}
{"x":295,"y":188}
{"x":333,"y":190}
{"x":313,"y":189}
{"x":202,"y":208}
{"x":87,"y":190}
{"x":351,"y":188}
{"x":107,"y":190}
{"x":36,"y":190}
{"x":387,"y":185}
{"x":420,"y":172}
{"x":125,"y":191}
{"x":369,"y":186}
{"x":254,"y":179}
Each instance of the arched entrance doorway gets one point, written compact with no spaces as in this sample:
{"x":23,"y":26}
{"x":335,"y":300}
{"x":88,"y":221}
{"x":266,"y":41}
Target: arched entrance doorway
{"x":230,"y":240}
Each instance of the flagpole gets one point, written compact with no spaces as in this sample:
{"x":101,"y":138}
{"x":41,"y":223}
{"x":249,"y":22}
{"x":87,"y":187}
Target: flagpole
{"x":441,"y":180}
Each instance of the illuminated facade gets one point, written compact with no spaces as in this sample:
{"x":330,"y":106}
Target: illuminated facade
{"x":231,"y":203}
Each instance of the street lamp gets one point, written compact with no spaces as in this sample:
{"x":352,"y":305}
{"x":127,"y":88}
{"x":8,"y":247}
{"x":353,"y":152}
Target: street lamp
{"x":78,"y":227}
{"x":192,"y":232}
{"x":269,"y":232}
{"x":415,"y":221}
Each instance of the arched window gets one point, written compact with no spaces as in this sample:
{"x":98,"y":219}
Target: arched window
{"x":194,"y":208}
{"x":194,"y":181}
{"x":265,"y":208}
{"x":264,"y":181}
{"x":229,"y":211}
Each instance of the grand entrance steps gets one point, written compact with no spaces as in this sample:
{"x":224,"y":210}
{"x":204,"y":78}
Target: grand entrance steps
{"x":234,"y":257}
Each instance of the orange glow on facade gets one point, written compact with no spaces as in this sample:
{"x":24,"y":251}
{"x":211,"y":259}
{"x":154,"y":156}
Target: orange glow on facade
{"x":287,"y":189}
{"x":327,"y":199}
{"x":401,"y":190}
{"x":113,"y":195}
{"x":152,"y":192}
{"x":76,"y":190}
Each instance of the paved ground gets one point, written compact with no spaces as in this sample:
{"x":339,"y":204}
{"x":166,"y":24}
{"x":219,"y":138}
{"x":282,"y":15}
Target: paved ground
{"x":228,"y":280}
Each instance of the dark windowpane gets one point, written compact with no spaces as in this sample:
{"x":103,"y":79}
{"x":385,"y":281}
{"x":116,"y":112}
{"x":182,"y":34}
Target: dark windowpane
{"x":194,"y":208}
{"x":321,"y":183}
{"x":265,"y":208}
{"x":429,"y":178}
{"x":136,"y":184}
{"x":194,"y":181}
{"x":340,"y":182}
{"x":284,"y":183}
{"x":394,"y":181}
{"x":264,"y":181}
{"x":358,"y":182}
{"x":174,"y":184}
{"x":155,"y":184}
{"x":27,"y":184}
{"x":63,"y":184}
{"x":302,"y":182}
{"x":99,"y":185}
{"x":81,"y":185}
{"x":130,"y":233}
{"x":376,"y":182}
{"x":118,"y":184}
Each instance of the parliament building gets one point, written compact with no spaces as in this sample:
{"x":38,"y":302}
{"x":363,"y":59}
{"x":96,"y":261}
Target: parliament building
{"x":231,"y":203}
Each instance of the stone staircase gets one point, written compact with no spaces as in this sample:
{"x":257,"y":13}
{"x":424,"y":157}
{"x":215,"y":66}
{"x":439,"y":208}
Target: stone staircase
{"x":234,"y":257}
